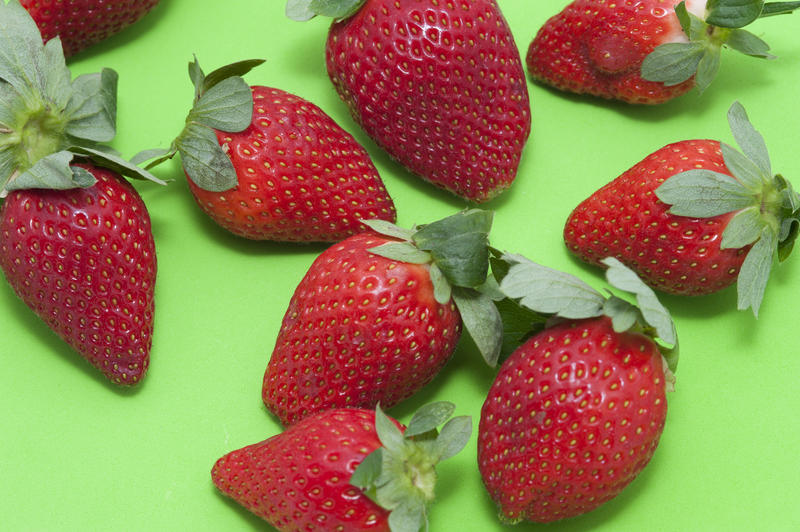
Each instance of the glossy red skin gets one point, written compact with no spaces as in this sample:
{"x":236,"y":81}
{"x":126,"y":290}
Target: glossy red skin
{"x":571,"y":419}
{"x":84,"y":261}
{"x":597,"y":47}
{"x":299,"y":479}
{"x":360,"y":330}
{"x":82,"y":23}
{"x":674,"y":254}
{"x":301,"y":177}
{"x":440,"y":86}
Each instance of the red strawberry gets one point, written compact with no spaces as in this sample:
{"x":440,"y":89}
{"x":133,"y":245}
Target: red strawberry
{"x":315,"y":474}
{"x":278,"y":167}
{"x":576,"y":412}
{"x":693,"y":217}
{"x":363,"y":328}
{"x":82,"y":23}
{"x":84,"y":260}
{"x":644,"y":52}
{"x":438,"y":85}
{"x":75,"y":238}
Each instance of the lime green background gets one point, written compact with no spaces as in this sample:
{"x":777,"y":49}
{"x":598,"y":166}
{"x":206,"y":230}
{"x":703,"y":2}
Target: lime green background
{"x":76,"y":453}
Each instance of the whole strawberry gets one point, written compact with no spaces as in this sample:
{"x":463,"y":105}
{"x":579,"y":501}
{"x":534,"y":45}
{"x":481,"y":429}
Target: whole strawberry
{"x":577,"y":411}
{"x":268,"y":165}
{"x":75,"y":238}
{"x":438,"y":85}
{"x":644,"y":52}
{"x":376,"y":317}
{"x":82,"y":23}
{"x":345,"y":469}
{"x":694,"y":217}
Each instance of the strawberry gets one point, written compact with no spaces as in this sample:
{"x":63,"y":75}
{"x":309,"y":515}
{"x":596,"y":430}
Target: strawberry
{"x":576,"y":412}
{"x":345,"y":469}
{"x":376,"y":317}
{"x":694,"y":217}
{"x":75,"y":238}
{"x":644,"y":52}
{"x":438,"y":85}
{"x":268,"y":165}
{"x":82,"y":23}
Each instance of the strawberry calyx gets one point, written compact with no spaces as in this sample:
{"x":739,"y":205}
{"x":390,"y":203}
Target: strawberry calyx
{"x":223,"y":101}
{"x":766,"y":207}
{"x":48,"y":119}
{"x":720,"y":26}
{"x":400,"y":476}
{"x":548,"y":296}
{"x":302,"y":10}
{"x":456,"y":252}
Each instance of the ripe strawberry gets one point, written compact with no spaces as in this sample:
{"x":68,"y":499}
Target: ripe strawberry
{"x":377,"y":317}
{"x":576,"y":412}
{"x":82,"y":23}
{"x":438,"y":85}
{"x":321,"y":473}
{"x":280,"y":168}
{"x":84,"y":261}
{"x":75,"y":238}
{"x":694,"y":217}
{"x":644,"y":52}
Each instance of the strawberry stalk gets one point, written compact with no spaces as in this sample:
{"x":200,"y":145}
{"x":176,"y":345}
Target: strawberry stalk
{"x":456,"y":250}
{"x":48,"y":119}
{"x":721,"y":26}
{"x":766,"y":207}
{"x":544,"y":296}
{"x":400,"y":476}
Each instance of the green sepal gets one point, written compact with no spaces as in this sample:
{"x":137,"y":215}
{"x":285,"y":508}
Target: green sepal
{"x":404,"y":252}
{"x":779,"y":8}
{"x":302,"y":10}
{"x":749,"y":44}
{"x":109,"y":158}
{"x":92,"y":111}
{"x":206,"y":82}
{"x":204,"y":160}
{"x":749,"y":139}
{"x":673,"y":63}
{"x":400,"y":476}
{"x":482,"y":321}
{"x":52,"y":172}
{"x":754,"y":274}
{"x":459,"y":245}
{"x":743,"y":229}
{"x":227,"y":106}
{"x":707,"y":68}
{"x":733,"y":13}
{"x":703,"y":194}
{"x":389,"y":229}
{"x":546,"y":291}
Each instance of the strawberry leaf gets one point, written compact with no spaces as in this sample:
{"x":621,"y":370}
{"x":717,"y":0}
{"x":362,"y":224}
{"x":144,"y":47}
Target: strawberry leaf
{"x":550,"y":291}
{"x":743,"y":229}
{"x":733,"y":13}
{"x":779,"y":8}
{"x":482,"y":321}
{"x":368,"y":471}
{"x":707,"y":68}
{"x":299,"y":10}
{"x":226,"y":106}
{"x":754,"y":274}
{"x":403,"y":252}
{"x":743,"y":169}
{"x":204,"y":160}
{"x":428,"y":417}
{"x":53,"y":172}
{"x":703,"y":193}
{"x":389,"y":229}
{"x":673,"y":63}
{"x":748,"y":138}
{"x":654,"y":313}
{"x":453,"y":437}
{"x":92,"y":110}
{"x":745,"y":42}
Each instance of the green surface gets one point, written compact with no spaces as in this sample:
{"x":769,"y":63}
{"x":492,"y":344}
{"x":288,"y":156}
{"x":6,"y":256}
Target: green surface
{"x":76,"y":453}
